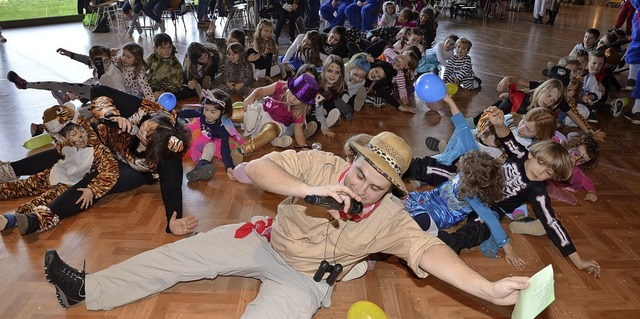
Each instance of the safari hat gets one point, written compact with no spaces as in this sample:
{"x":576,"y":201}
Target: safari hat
{"x":390,"y":155}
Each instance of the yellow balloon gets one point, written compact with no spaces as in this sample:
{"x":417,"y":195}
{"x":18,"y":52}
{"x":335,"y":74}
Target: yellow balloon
{"x":452,"y":88}
{"x":365,"y":310}
{"x":38,"y":141}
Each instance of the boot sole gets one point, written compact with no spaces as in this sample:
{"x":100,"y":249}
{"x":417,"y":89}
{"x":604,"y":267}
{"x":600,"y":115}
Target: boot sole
{"x":23,"y":223}
{"x":533,"y":228}
{"x":205,"y":173}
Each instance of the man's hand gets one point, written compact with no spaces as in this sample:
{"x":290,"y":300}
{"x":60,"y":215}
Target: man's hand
{"x":183,"y":225}
{"x":86,"y":199}
{"x":506,"y":291}
{"x":340,"y":193}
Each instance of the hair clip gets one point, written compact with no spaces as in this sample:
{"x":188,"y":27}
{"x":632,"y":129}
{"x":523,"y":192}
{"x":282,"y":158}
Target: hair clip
{"x":208,"y":95}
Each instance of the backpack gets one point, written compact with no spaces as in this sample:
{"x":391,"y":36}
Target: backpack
{"x":102,"y":26}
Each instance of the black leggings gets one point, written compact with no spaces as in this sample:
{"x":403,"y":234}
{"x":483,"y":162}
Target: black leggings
{"x":170,"y":170}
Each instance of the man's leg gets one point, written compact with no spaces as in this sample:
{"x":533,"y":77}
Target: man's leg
{"x":206,"y":255}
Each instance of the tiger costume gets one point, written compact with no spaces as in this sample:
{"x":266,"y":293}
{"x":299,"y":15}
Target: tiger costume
{"x":120,"y":142}
{"x":35,"y":215}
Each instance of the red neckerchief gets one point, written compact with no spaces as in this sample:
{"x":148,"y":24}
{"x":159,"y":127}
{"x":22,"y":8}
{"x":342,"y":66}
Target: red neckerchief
{"x":366,"y":210}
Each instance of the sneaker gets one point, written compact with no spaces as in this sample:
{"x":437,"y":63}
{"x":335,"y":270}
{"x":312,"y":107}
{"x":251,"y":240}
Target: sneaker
{"x":527,"y":225}
{"x":36,"y":129}
{"x":435,"y":144}
{"x":344,"y":108}
{"x":17,"y":80}
{"x":361,"y":95}
{"x":69,"y":282}
{"x":616,"y":107}
{"x":359,"y":270}
{"x":2,"y":39}
{"x":631,"y":83}
{"x":311,"y":129}
{"x":593,"y":117}
{"x":6,"y":172}
{"x":7,"y":221}
{"x":282,"y":141}
{"x":633,"y":117}
{"x":203,"y":171}
{"x":333,"y":117}
{"x":39,"y":220}
{"x":60,"y":96}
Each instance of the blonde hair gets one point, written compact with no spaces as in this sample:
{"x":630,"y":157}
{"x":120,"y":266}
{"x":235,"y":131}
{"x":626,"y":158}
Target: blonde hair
{"x":554,"y":156}
{"x":546,"y":86}
{"x":465,"y":42}
{"x":257,"y":40}
{"x":544,"y":121}
{"x":360,"y":139}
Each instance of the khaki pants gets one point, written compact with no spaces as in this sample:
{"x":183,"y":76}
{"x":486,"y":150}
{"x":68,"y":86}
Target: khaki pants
{"x":284,"y":293}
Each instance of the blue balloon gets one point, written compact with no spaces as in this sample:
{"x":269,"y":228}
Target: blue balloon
{"x":430,"y":88}
{"x":167,"y":100}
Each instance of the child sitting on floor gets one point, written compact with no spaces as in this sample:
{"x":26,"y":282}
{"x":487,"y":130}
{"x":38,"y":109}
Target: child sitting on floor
{"x":212,"y":134}
{"x":80,"y":157}
{"x":459,"y":68}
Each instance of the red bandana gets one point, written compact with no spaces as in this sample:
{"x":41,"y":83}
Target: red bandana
{"x":366,"y":210}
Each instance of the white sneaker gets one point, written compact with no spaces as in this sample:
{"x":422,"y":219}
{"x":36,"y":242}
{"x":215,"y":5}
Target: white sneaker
{"x":333,"y":117}
{"x":359,"y":270}
{"x":282,"y":141}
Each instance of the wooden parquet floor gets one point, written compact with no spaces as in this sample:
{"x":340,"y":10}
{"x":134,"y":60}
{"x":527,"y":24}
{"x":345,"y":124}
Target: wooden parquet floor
{"x":123,"y":225}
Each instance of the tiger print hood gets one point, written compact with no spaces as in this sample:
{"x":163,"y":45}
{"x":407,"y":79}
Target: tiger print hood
{"x":57,"y":116}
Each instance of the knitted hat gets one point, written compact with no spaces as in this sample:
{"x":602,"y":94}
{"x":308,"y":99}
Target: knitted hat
{"x":305,"y":88}
{"x":390,"y":155}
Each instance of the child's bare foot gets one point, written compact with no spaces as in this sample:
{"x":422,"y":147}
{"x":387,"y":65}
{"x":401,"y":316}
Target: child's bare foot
{"x":408,"y":109}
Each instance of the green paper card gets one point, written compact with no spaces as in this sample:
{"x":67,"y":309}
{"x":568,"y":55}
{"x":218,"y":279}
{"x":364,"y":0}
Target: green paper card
{"x":537,"y":297}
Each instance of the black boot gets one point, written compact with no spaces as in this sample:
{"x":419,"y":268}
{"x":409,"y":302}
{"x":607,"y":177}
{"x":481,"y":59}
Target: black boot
{"x":69,"y":282}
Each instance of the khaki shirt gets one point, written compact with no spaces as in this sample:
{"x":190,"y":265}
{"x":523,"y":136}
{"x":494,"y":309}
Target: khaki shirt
{"x":304,"y":235}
